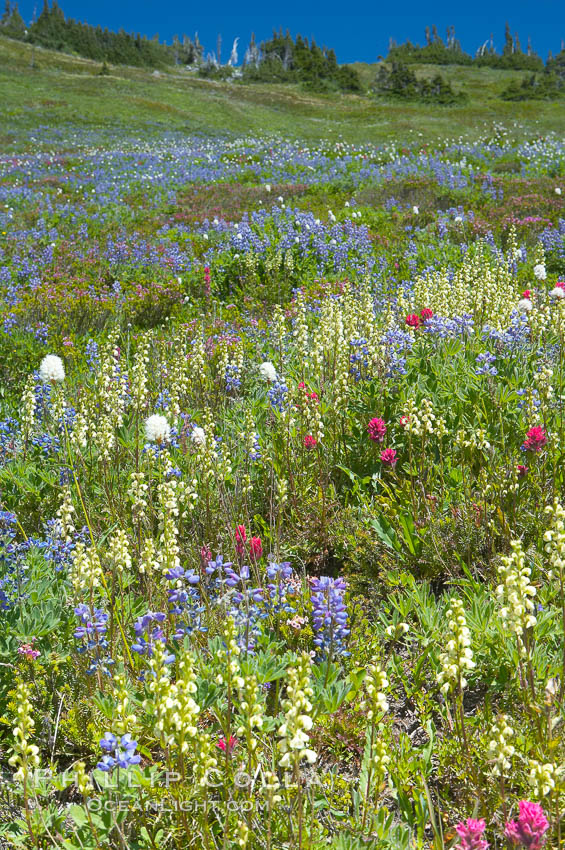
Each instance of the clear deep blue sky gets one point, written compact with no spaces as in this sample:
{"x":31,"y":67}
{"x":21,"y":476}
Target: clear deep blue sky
{"x":357,"y":31}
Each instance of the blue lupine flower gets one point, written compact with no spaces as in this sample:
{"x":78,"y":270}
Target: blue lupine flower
{"x":163,"y":400}
{"x":148,"y":634}
{"x":91,"y":633}
{"x":10,"y":440}
{"x":234,"y":579}
{"x":186,"y":605}
{"x":279,"y":587}
{"x":124,"y":754}
{"x":329,"y":614}
{"x":233,"y":380}
{"x":92,"y":354}
{"x":485,"y":361}
{"x":277,"y":394}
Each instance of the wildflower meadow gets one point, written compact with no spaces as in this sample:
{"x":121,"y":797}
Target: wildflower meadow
{"x":282,"y":491}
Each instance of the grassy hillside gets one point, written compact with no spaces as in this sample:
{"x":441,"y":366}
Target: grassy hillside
{"x":66,"y":89}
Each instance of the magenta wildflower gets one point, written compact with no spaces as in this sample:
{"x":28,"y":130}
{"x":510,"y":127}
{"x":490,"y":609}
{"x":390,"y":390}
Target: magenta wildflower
{"x":470,"y":833}
{"x":240,"y":539}
{"x":536,"y":439}
{"x":389,"y":457}
{"x":255,"y":548}
{"x":530,"y":828}
{"x":229,"y":745}
{"x":376,"y":429}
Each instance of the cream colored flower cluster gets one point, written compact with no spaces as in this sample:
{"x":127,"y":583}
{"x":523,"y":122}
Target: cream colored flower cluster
{"x":482,"y":287}
{"x":293,"y":732}
{"x":458,"y":657}
{"x":250,"y":709}
{"x":86,"y":570}
{"x":554,"y":538}
{"x":516,"y":593}
{"x":499,"y":745}
{"x":25,"y":756}
{"x":375,"y":702}
{"x":544,"y":777}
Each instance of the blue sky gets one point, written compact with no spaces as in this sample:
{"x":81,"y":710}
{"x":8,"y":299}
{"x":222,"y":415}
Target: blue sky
{"x":356,"y":31}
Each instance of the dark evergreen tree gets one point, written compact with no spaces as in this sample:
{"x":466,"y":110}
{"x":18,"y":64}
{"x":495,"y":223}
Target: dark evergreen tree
{"x":434,"y":52}
{"x":398,"y":81}
{"x":556,"y":65}
{"x":508,"y":48}
{"x":547,"y":86}
{"x":283,"y":60}
{"x":512,"y":57}
{"x":14,"y":25}
{"x":517,"y":45}
{"x":54,"y":31}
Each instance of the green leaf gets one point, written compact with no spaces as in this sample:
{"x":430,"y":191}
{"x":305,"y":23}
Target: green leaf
{"x":413,"y":542}
{"x":386,"y":533}
{"x":78,"y":814}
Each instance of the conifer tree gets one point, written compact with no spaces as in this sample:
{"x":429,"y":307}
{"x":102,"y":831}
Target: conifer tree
{"x":508,"y":49}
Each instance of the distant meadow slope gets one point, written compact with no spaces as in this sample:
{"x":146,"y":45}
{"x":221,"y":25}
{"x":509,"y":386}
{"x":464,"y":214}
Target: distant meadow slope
{"x":39,"y":86}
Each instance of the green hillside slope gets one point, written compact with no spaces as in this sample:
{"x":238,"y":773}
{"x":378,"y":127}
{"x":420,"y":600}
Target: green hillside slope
{"x":44,"y":87}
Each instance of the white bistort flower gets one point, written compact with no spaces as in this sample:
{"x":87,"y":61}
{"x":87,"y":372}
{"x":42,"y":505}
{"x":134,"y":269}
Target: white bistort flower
{"x":557,"y":190}
{"x":415,"y":210}
{"x":525,"y":305}
{"x":268,"y":371}
{"x":157,"y":429}
{"x":540,"y":272}
{"x":52,"y":369}
{"x":198,"y":436}
{"x":557,"y":292}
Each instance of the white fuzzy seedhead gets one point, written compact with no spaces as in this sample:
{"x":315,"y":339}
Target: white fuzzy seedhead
{"x":539,"y":271}
{"x":157,"y":429}
{"x":268,"y":371}
{"x":198,"y":436}
{"x":52,"y":369}
{"x":525,"y":305}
